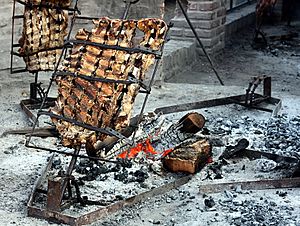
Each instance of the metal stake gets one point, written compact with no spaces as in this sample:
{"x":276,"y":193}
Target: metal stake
{"x":200,"y":43}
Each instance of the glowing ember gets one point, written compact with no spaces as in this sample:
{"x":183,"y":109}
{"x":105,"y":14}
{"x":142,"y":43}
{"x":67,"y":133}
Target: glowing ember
{"x":145,"y":147}
{"x":210,"y":160}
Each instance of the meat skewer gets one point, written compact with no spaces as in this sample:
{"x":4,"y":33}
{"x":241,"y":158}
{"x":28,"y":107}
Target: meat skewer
{"x":43,"y":28}
{"x":104,"y":104}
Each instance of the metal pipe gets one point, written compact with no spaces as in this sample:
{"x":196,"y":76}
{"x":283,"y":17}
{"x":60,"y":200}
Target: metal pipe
{"x":199,"y":41}
{"x":27,"y":4}
{"x":12,"y":35}
{"x":107,"y":130}
{"x":128,"y":4}
{"x":116,"y":47}
{"x":72,"y":154}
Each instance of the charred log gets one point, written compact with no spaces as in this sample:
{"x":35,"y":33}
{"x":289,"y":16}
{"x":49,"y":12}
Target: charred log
{"x":190,"y":158}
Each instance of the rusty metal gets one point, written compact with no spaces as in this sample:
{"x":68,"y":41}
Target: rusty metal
{"x":67,"y":176}
{"x":30,"y":104}
{"x":251,"y":185}
{"x":253,"y":154}
{"x":242,"y":100}
{"x":107,"y":130}
{"x":47,"y":131}
{"x":53,"y":193}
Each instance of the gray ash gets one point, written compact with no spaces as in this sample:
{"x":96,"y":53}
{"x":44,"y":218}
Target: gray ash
{"x":283,"y":135}
{"x":251,"y":212}
{"x":278,"y":135}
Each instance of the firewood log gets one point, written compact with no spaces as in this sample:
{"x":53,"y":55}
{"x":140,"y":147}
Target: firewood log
{"x":188,"y":158}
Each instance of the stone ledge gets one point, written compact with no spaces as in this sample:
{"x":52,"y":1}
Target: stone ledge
{"x":178,"y":56}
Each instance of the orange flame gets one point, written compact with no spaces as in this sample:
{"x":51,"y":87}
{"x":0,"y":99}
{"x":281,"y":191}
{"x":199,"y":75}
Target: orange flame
{"x":145,"y":147}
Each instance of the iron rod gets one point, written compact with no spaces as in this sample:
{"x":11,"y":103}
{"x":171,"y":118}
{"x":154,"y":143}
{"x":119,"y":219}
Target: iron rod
{"x":91,"y":78}
{"x":27,"y":4}
{"x":72,"y":154}
{"x":69,"y":171}
{"x":199,"y":41}
{"x":115,"y":47}
{"x":12,"y":36}
{"x":106,"y":130}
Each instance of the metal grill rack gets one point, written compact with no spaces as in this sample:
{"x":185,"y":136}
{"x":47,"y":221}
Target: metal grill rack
{"x":57,"y":188}
{"x":37,"y":93}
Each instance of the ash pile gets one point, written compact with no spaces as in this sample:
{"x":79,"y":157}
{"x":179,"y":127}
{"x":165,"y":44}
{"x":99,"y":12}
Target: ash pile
{"x":165,"y":151}
{"x":229,"y":134}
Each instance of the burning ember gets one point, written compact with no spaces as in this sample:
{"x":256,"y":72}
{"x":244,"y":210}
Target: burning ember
{"x":145,"y":147}
{"x":156,"y":139}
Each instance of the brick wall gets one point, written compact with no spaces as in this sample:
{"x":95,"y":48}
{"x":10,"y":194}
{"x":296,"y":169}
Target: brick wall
{"x":208,"y":18}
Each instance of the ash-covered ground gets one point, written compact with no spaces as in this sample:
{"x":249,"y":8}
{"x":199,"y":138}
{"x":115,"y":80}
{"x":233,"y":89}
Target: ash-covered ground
{"x":20,"y":166}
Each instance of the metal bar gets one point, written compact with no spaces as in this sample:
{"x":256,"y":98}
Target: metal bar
{"x":53,"y":193}
{"x":251,"y":185}
{"x":199,"y":41}
{"x":29,"y":104}
{"x":238,"y":99}
{"x":19,"y":16}
{"x":30,"y":115}
{"x":97,"y":214}
{"x":16,"y":71}
{"x":231,"y":4}
{"x":12,"y":35}
{"x":28,"y":4}
{"x":33,"y":87}
{"x":267,"y":87}
{"x":158,"y":54}
{"x":200,"y":104}
{"x":107,"y":130}
{"x":39,"y":181}
{"x":252,"y":154}
{"x":35,"y":104}
{"x":86,"y":18}
{"x":66,"y":179}
{"x":232,"y":8}
{"x":128,"y":5}
{"x":91,"y":78}
{"x":49,"y":131}
{"x":33,"y":53}
{"x":72,"y":154}
{"x":92,"y":216}
{"x":50,"y":215}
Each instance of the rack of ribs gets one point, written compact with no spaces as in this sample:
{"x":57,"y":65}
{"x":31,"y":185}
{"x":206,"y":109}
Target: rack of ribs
{"x":44,"y":29}
{"x":104,"y":104}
